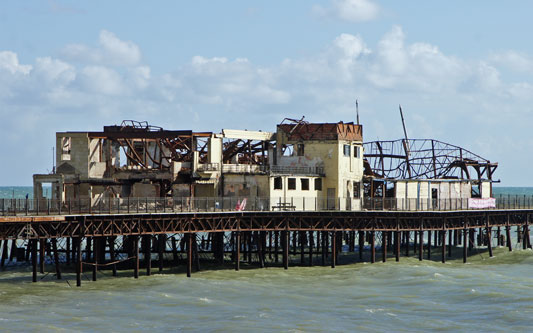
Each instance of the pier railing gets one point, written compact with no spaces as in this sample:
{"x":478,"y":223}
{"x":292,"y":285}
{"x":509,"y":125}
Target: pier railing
{"x":130,"y":205}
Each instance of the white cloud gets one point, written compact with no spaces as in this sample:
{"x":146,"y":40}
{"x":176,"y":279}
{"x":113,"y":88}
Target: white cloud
{"x":102,"y":80}
{"x":349,"y":10}
{"x":443,"y":95}
{"x":9,"y":62}
{"x":516,"y":61}
{"x":54,"y":70}
{"x":111,"y":51}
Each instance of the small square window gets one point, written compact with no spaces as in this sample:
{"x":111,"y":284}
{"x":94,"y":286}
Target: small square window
{"x":305,"y":184}
{"x":318,"y":184}
{"x":291,"y":184}
{"x":278,"y":183}
{"x":347,"y":150}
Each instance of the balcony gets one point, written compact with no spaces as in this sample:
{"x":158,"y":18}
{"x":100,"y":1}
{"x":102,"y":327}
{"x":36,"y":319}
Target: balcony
{"x":209,"y":167}
{"x":297,"y":170}
{"x":244,"y":168}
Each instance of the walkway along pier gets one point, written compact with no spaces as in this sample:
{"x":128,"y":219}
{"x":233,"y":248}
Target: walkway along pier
{"x":101,"y":241}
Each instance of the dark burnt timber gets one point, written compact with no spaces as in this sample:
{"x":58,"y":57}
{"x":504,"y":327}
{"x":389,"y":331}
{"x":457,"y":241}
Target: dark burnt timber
{"x":188,"y":238}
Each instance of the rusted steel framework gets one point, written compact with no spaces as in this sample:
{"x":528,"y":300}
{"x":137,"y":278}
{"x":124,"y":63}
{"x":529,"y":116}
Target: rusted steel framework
{"x":154,"y":224}
{"x":424,"y":159}
{"x":247,"y":237}
{"x":246,"y":151}
{"x":145,"y":144}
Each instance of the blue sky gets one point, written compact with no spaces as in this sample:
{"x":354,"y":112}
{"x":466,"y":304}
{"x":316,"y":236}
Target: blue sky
{"x":462,"y":71}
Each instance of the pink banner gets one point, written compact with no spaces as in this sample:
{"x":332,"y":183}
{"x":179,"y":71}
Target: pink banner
{"x":476,"y":203}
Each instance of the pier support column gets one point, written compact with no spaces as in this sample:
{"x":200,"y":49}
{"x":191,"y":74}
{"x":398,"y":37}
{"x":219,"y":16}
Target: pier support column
{"x":372,"y":247}
{"x":407,"y":239}
{"x":420,"y":244}
{"x":174,"y":251}
{"x":148,"y":253}
{"x":302,"y":239}
{"x":4,"y":253}
{"x":56,"y":258}
{"x":465,"y":244}
{"x":323,"y":246}
{"x":285,"y":245}
{"x":397,"y":244}
{"x":111,"y":241}
{"x":508,"y":238}
{"x":443,"y":246}
{"x":79,"y":261}
{"x":527,"y":241}
{"x":161,"y":247}
{"x":196,"y":253}
{"x":361,"y":240}
{"x":333,"y":248}
{"x":415,"y":241}
{"x":238,"y":250}
{"x":34,"y":259}
{"x":136,"y":259}
{"x":259,"y":244}
{"x":96,"y":253}
{"x":189,"y":253}
{"x":276,"y":246}
{"x":42,"y":245}
{"x":384,"y":245}
{"x":450,"y":234}
{"x":67,"y":251}
{"x":429,"y":244}
{"x":489,"y":240}
{"x":311,"y":241}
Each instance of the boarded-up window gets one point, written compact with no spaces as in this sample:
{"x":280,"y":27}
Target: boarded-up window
{"x":305,"y":184}
{"x":278,"y":183}
{"x":318,"y":184}
{"x":291,"y":185}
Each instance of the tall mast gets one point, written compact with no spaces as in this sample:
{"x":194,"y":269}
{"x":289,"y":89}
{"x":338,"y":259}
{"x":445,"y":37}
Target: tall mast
{"x":357,"y":111}
{"x":405,"y":144}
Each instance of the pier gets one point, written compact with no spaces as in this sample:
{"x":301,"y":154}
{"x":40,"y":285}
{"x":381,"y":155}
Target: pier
{"x":157,"y":239}
{"x":135,"y":196}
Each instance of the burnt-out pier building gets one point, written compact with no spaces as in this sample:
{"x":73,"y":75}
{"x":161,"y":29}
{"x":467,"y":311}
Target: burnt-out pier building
{"x":134,"y":195}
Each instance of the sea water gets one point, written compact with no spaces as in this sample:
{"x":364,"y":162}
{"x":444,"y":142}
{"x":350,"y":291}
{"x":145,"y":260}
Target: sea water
{"x":486,"y":294}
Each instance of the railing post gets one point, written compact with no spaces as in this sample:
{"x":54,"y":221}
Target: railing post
{"x":48,"y":205}
{"x":69,"y":206}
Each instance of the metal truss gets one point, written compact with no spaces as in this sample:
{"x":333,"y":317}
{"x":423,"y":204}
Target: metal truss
{"x":181,"y":223}
{"x":424,"y":159}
